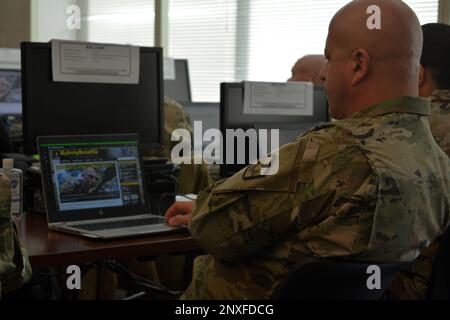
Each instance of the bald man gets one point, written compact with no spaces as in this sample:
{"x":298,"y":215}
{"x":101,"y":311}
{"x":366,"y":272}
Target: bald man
{"x":308,"y":69}
{"x":368,"y":186}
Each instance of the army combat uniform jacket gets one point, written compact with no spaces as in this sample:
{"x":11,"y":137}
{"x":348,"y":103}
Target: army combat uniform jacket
{"x":373,"y":187}
{"x":15,"y":268}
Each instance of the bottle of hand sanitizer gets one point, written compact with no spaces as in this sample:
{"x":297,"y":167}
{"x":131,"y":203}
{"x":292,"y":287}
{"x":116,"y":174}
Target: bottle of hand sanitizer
{"x":15,"y":177}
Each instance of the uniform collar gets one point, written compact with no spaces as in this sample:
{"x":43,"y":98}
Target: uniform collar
{"x":404,"y":104}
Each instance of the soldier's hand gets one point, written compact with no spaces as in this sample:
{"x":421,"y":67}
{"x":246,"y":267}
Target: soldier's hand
{"x":179,"y":213}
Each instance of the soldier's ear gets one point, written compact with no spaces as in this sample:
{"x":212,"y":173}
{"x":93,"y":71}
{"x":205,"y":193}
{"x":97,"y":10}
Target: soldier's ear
{"x":361,"y":65}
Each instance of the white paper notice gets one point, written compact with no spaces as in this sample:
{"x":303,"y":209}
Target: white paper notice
{"x":94,"y":62}
{"x":169,"y":69}
{"x":287,"y":98}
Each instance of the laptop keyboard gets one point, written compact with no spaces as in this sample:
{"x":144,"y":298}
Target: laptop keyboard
{"x":119,"y":224}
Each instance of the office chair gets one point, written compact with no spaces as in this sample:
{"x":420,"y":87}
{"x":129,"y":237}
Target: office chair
{"x":334,"y":279}
{"x":439,"y":284}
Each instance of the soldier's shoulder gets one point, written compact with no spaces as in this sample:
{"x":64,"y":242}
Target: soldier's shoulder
{"x":334,"y":132}
{"x":312,"y":148}
{"x":175,"y":116}
{"x":173,"y":106}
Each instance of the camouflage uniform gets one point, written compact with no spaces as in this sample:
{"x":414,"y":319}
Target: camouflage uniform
{"x":192,"y":178}
{"x":413,"y":284}
{"x":175,"y":117}
{"x":15,"y":268}
{"x":373,"y":187}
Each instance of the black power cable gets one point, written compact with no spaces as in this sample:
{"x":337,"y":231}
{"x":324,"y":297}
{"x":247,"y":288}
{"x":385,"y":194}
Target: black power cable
{"x":120,"y":270}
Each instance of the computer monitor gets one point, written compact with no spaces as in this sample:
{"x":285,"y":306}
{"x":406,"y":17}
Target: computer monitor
{"x":232,"y":117}
{"x":179,"y":89}
{"x":69,"y":108}
{"x":10,"y":92}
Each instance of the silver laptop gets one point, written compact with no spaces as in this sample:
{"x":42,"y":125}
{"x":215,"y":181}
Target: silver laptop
{"x":94,"y":186}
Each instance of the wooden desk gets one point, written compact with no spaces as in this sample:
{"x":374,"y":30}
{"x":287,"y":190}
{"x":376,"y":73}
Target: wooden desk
{"x":48,"y":248}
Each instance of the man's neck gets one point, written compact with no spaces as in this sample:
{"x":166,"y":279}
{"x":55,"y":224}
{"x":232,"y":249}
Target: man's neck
{"x":363,"y":101}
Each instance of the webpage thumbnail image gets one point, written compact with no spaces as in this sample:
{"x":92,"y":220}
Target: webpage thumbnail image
{"x":88,"y":185}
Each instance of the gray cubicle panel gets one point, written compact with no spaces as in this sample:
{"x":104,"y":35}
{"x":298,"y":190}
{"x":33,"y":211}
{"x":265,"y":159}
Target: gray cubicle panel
{"x":179,"y":89}
{"x":206,"y":112}
{"x":232,"y":117}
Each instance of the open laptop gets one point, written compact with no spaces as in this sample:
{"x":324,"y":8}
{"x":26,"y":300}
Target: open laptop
{"x":94,"y":186}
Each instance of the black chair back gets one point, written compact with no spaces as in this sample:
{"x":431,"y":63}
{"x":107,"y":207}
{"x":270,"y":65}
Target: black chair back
{"x":332,"y":279}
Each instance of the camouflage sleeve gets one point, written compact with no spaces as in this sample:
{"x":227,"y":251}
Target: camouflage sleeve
{"x":242,"y":215}
{"x":6,"y":233}
{"x":15,"y":269}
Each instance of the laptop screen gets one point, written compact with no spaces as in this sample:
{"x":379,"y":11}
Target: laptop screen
{"x":92,"y":175}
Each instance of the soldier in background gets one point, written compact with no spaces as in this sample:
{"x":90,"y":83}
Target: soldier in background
{"x":15,"y":269}
{"x":193,"y":178}
{"x":308,"y":68}
{"x":353,"y":188}
{"x":434,"y":83}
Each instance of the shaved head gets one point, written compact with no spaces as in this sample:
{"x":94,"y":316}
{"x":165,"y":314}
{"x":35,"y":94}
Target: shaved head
{"x":308,"y":68}
{"x":400,"y":34}
{"x":366,"y":66}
